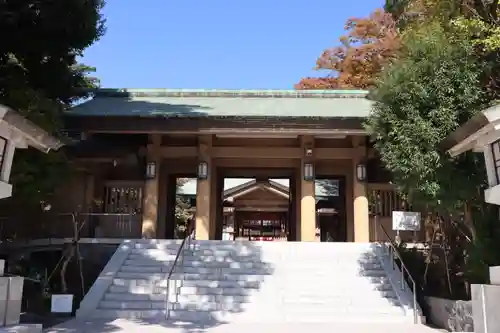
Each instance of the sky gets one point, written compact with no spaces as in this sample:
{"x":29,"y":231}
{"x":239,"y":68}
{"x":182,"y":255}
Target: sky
{"x":199,"y":44}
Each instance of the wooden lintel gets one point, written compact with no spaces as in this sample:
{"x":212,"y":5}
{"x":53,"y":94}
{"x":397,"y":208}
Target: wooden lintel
{"x":260,"y":152}
{"x":260,"y":203}
{"x":256,"y":152}
{"x":179,"y":152}
{"x":335,"y":153}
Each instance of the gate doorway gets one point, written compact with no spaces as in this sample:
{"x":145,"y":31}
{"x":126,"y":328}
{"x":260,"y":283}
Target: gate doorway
{"x":331,"y":209}
{"x":269,"y":226}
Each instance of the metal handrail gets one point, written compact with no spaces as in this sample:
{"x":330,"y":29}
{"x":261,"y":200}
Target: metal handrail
{"x":393,"y":254}
{"x":178,"y":257}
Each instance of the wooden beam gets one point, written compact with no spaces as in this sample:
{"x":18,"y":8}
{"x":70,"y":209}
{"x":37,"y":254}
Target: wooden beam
{"x":260,"y":203}
{"x":335,"y":153}
{"x":260,"y":152}
{"x":256,"y":152}
{"x":179,"y":152}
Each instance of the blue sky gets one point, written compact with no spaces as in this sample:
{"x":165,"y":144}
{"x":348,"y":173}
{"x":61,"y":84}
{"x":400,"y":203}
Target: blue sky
{"x":259,"y":44}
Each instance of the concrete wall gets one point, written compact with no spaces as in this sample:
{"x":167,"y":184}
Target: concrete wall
{"x":455,"y":316}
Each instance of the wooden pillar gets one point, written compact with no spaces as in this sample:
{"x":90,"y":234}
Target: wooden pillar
{"x":214,"y":218}
{"x":204,"y":192}
{"x":219,"y":207}
{"x":307,"y":194}
{"x":170,"y":203}
{"x":161,"y":231}
{"x":297,"y":202}
{"x":151,"y":190}
{"x":292,"y":215}
{"x":361,"y":215}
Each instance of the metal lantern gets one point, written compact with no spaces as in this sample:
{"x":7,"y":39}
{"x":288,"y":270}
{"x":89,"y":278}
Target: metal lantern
{"x":308,"y":171}
{"x":203,"y":170}
{"x":151,"y":170}
{"x":361,"y":172}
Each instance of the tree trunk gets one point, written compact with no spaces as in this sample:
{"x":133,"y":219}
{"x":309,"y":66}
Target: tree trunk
{"x":70,"y":252}
{"x":469,"y":222}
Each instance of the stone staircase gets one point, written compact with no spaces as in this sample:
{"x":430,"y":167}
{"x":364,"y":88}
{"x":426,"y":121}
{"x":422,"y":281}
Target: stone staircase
{"x":248,"y":282}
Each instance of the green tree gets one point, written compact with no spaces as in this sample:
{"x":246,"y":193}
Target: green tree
{"x":40,"y":76}
{"x":434,"y":86}
{"x":183,"y":214}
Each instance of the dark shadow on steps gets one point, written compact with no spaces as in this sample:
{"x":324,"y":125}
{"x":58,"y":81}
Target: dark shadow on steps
{"x":215,"y":283}
{"x":385,"y":277}
{"x":219,"y":280}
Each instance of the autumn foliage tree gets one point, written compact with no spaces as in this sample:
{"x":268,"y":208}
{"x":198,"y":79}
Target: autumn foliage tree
{"x":369,"y":45}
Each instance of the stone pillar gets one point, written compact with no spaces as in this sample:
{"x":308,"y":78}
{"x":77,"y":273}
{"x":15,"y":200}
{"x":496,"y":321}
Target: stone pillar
{"x":203,"y":194}
{"x":361,"y":216}
{"x":151,"y":191}
{"x":495,"y":275}
{"x":486,"y":303}
{"x":307,"y":195}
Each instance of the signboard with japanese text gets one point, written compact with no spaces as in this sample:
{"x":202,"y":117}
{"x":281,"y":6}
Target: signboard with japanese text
{"x":406,"y":221}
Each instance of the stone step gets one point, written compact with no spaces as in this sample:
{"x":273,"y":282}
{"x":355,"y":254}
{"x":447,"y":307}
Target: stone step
{"x":342,"y":302}
{"x":123,"y":294}
{"x":193,"y":276}
{"x":341,"y":281}
{"x":340,"y":307}
{"x":208,"y":317}
{"x":212,"y":264}
{"x":161,"y":255}
{"x":171,"y":255}
{"x":170,"y":247}
{"x":216,"y":291}
{"x":368,"y":295}
{"x":269,"y":316}
{"x":152,"y":252}
{"x":137,"y":290}
{"x":160,"y":297}
{"x":211,"y":317}
{"x":338,"y":267}
{"x":338,"y":290}
{"x":199,"y":270}
{"x":319,"y":273}
{"x":185,"y":290}
{"x":290,"y":275}
{"x":128,"y":314}
{"x":219,"y":287}
{"x":252,"y":282}
{"x":189,"y":283}
{"x":288,"y":280}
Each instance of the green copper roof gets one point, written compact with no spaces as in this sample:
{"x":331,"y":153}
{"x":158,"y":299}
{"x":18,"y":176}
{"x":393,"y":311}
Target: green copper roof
{"x":226,"y":103}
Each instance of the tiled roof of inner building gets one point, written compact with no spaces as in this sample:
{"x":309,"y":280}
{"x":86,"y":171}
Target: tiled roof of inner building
{"x":226,"y":103}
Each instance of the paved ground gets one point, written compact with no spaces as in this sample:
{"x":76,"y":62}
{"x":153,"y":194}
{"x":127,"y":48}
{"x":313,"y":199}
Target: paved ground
{"x":130,"y":326}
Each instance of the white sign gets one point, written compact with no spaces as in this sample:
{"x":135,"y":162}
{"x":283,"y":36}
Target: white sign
{"x":61,"y":303}
{"x":406,"y":221}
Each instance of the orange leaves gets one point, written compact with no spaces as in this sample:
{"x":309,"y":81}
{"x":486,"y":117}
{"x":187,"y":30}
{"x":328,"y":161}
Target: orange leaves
{"x":369,"y":45}
{"x":318,"y":83}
